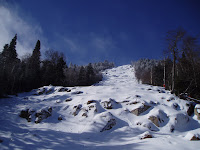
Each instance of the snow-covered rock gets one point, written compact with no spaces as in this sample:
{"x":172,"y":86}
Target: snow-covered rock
{"x":140,"y":109}
{"x":192,"y":137}
{"x":146,"y":135}
{"x":197,"y":111}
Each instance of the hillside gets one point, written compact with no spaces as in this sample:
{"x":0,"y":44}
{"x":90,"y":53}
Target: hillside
{"x":117,"y":113}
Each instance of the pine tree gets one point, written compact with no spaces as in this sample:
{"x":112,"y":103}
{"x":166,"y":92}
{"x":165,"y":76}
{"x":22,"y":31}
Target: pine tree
{"x":34,"y":67}
{"x":82,"y":76}
{"x":90,"y":74}
{"x":10,"y":64}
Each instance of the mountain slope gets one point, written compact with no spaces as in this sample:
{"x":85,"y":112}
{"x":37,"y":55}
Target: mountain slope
{"x":113,"y":114}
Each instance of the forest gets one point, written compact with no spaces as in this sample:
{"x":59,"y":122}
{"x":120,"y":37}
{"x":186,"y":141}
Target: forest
{"x":178,"y":70}
{"x":30,"y":72}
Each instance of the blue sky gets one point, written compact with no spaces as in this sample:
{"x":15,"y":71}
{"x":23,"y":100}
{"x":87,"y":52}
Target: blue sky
{"x":95,"y":30}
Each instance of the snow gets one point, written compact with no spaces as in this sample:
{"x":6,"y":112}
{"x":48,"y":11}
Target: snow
{"x":99,"y":117}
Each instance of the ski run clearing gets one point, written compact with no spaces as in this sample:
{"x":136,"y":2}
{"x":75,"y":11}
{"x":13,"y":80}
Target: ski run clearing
{"x":118,"y":113}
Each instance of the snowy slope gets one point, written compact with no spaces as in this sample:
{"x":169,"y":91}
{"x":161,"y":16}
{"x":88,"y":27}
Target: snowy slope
{"x":108,"y":115}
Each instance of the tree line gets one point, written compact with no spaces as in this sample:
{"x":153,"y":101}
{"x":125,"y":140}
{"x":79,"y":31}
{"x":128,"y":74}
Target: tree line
{"x":30,"y":72}
{"x":179,"y":70}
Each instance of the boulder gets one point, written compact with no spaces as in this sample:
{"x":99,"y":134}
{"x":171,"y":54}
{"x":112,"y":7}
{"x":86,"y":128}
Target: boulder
{"x":146,"y":135}
{"x":112,"y":122}
{"x":1,"y":141}
{"x":41,"y":115}
{"x":60,"y":118}
{"x":77,"y":92}
{"x":110,"y":104}
{"x":180,"y":121}
{"x":138,"y":96}
{"x":170,"y":99}
{"x":84,"y":114}
{"x":68,"y":100}
{"x":94,"y":107}
{"x":77,"y":109}
{"x":125,"y":101}
{"x":172,"y":128}
{"x":107,"y":104}
{"x":26,"y":114}
{"x":175,"y":106}
{"x":49,"y":91}
{"x":159,"y":118}
{"x":64,"y":89}
{"x":197,"y":111}
{"x":192,"y":137}
{"x":91,"y":101}
{"x":133,"y":103}
{"x":155,"y":120}
{"x":140,"y":110}
{"x":195,"y":138}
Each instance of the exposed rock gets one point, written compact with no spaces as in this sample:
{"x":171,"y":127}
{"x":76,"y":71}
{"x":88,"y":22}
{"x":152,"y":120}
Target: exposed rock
{"x":68,"y":100}
{"x":197,"y":111}
{"x":155,"y":120}
{"x":125,"y":101}
{"x":152,"y":102}
{"x":44,"y":91}
{"x":41,"y":91}
{"x":26,"y":114}
{"x":60,"y":118}
{"x":64,"y":89}
{"x":112,"y":122}
{"x":146,"y":135}
{"x":195,"y":138}
{"x":50,"y":109}
{"x":172,"y":128}
{"x":41,"y":115}
{"x":138,"y":123}
{"x":49,"y":91}
{"x":85,"y":114}
{"x":192,"y":137}
{"x":140,"y":110}
{"x":77,"y":109}
{"x":91,"y":106}
{"x":160,"y":91}
{"x":138,"y":96}
{"x":109,"y":104}
{"x":170,"y":99}
{"x":77,"y":92}
{"x":91,"y":101}
{"x":175,"y":106}
{"x":135,"y":102}
{"x":94,"y":107}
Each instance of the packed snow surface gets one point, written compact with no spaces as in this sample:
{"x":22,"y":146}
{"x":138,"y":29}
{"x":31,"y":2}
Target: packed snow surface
{"x":116,"y":113}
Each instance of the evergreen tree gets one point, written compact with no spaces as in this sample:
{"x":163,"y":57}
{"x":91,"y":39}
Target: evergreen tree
{"x":34,"y":67}
{"x":90,"y":74}
{"x":10,"y":64}
{"x":82,"y":76}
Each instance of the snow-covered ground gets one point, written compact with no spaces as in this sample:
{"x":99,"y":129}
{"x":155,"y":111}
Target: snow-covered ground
{"x":116,"y":113}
